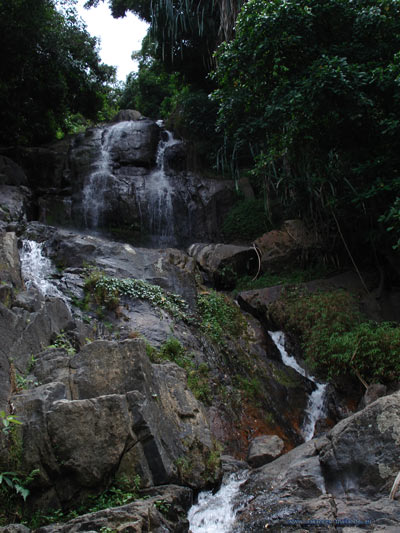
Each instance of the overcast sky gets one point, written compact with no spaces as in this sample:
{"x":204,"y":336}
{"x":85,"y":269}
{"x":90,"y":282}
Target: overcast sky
{"x":119,"y":37}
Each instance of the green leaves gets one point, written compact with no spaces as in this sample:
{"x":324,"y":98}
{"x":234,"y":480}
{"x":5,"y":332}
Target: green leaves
{"x":107,"y":291}
{"x":8,"y":421}
{"x":50,"y":70}
{"x":15,"y":482}
{"x":302,"y":81}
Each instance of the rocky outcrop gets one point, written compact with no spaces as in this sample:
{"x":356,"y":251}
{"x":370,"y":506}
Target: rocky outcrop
{"x":264,"y":449}
{"x":15,"y":205}
{"x":342,"y":480}
{"x":257,"y":301}
{"x":222,"y":263}
{"x":109,"y":413}
{"x":292,"y":244}
{"x":11,"y":173}
{"x":126,"y":115}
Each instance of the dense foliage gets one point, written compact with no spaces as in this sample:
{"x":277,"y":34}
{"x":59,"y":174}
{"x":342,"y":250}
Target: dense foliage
{"x":50,"y":70}
{"x":310,"y":89}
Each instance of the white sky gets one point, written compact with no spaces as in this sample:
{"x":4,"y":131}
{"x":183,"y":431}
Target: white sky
{"x":119,"y":37}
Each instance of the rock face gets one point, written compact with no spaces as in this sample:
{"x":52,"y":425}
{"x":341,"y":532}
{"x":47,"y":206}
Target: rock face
{"x":341,"y":480}
{"x":145,"y":198}
{"x":264,"y":449}
{"x":290,"y":245}
{"x":223,"y":262}
{"x":109,"y":412}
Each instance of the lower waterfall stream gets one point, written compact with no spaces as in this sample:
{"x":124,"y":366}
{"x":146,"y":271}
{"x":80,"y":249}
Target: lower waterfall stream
{"x":316,"y":402}
{"x":216,"y":513}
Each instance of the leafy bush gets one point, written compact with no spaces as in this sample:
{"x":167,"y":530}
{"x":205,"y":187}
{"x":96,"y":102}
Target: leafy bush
{"x":219,"y":316}
{"x":246,"y":220}
{"x":107,"y":291}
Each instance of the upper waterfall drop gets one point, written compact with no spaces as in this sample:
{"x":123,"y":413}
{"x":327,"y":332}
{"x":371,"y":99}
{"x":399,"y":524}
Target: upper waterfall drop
{"x":156,"y":198}
{"x":122,"y":173}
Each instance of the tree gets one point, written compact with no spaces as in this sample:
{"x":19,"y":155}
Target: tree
{"x":185,"y":32}
{"x":50,"y":69}
{"x":309,"y":90}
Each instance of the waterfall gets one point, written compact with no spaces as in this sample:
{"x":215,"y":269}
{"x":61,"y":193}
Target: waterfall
{"x":98,"y":181}
{"x":155,"y":199}
{"x":37,"y":269}
{"x":316,"y":402}
{"x":152,"y":190}
{"x":216,"y":513}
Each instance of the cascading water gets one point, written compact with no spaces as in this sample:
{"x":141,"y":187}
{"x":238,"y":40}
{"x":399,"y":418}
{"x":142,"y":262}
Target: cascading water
{"x":98,"y":181}
{"x":151,"y":190}
{"x":216,"y":513}
{"x":37,"y":269}
{"x":316,"y":403}
{"x":156,"y":213}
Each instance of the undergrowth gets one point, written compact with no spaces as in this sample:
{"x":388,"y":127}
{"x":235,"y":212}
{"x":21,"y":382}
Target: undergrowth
{"x":197,"y":375}
{"x":122,"y":492}
{"x":219,"y":316}
{"x":107,"y":291}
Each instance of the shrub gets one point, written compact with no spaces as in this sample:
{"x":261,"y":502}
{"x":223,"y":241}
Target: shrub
{"x":219,"y":316}
{"x":246,"y":220}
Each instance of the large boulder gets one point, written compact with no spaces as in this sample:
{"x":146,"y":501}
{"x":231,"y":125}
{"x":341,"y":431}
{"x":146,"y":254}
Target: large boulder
{"x":127,"y":114}
{"x":10,"y":265}
{"x":264,"y":449}
{"x":292,"y":244}
{"x":15,"y":204}
{"x":11,"y":173}
{"x":341,"y":480}
{"x":222,"y":263}
{"x":109,"y":412}
{"x":163,"y":510}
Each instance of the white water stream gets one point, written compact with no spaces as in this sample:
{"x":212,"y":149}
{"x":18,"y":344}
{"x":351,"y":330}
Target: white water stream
{"x":157,"y":196}
{"x":316,"y":403}
{"x":99,"y":178}
{"x":37,"y":269}
{"x":216,"y":513}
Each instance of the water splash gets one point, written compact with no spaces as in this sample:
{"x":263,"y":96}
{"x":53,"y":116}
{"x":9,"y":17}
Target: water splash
{"x":316,"y":403}
{"x":37,"y":269}
{"x":216,"y":513}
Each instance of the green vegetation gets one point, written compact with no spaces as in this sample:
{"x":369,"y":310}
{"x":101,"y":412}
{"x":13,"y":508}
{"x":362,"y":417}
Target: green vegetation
{"x":50,"y":71}
{"x":321,"y":133}
{"x":246,"y":220}
{"x":8,"y":421}
{"x":289,"y":277}
{"x":197,"y":375}
{"x":219,"y":317}
{"x":336,"y":338}
{"x":14,"y":482}
{"x":123,"y":491}
{"x":62,"y":341}
{"x":107,"y":291}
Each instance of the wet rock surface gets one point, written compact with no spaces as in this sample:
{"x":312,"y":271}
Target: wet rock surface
{"x":341,"y":480}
